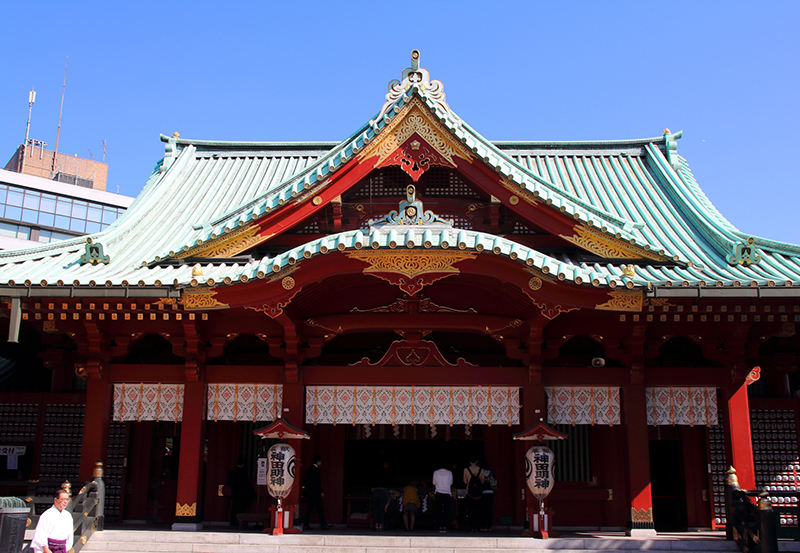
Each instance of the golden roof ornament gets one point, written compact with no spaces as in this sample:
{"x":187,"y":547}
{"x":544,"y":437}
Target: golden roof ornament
{"x":629,"y":270}
{"x":197,"y":270}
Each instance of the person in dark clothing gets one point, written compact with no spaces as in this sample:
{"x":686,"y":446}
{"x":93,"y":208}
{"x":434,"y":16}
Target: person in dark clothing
{"x":241,"y":490}
{"x":313,"y":494}
{"x":379,"y":503}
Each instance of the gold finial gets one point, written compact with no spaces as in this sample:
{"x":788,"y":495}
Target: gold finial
{"x":66,"y":486}
{"x":176,"y":134}
{"x":732,"y":479}
{"x":764,"y":504}
{"x":666,"y":131}
{"x":197,"y":270}
{"x":629,"y":270}
{"x":98,"y":470}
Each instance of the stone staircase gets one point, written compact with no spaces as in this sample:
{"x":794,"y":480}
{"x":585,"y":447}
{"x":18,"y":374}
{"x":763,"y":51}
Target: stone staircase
{"x":143,"y":541}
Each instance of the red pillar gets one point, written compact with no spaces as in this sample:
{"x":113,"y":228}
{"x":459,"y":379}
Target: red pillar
{"x":641,"y":498}
{"x":294,"y":413}
{"x":534,"y":410}
{"x":96,"y":420}
{"x":188,"y":513}
{"x":738,"y":431}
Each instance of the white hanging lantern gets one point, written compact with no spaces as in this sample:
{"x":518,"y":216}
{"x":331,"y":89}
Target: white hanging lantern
{"x":281,"y":462}
{"x":539,"y":471}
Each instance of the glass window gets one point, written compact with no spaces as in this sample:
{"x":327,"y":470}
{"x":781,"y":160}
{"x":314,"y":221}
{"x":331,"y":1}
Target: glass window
{"x":77,"y":225}
{"x":45,"y":236}
{"x":7,"y":229}
{"x":95,"y":214}
{"x":61,"y":236}
{"x":79,"y":211}
{"x":109,"y":215}
{"x":92,"y":227}
{"x":63,"y":207}
{"x":47,"y":205}
{"x":13,"y":213}
{"x":3,"y":192}
{"x":47,"y":219}
{"x":24,"y":233}
{"x":29,"y":216}
{"x":14,"y":198}
{"x":62,"y":222}
{"x":31,"y":200}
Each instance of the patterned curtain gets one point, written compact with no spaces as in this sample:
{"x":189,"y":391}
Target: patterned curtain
{"x":244,"y":402}
{"x":583,"y":405}
{"x":412,"y":405}
{"x":681,"y":405}
{"x":136,"y":401}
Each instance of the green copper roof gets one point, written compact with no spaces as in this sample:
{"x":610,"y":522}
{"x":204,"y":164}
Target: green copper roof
{"x":641,"y":191}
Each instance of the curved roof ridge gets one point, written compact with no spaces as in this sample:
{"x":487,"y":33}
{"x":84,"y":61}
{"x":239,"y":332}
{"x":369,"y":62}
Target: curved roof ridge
{"x":509,"y":144}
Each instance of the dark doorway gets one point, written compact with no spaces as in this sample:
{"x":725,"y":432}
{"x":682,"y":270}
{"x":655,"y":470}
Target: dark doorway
{"x":668,"y":488}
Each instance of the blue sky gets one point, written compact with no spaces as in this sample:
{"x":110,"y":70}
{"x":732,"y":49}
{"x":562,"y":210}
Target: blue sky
{"x":726,"y":73}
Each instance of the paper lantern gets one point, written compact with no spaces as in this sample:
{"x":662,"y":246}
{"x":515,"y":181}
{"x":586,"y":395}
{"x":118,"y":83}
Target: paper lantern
{"x":539,"y":471}
{"x":280,"y":470}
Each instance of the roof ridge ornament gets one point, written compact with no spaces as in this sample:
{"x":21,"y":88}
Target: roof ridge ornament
{"x":417,"y":79}
{"x":411,"y":213}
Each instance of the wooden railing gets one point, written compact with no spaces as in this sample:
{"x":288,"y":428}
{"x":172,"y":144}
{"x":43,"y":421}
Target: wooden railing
{"x":755,"y":527}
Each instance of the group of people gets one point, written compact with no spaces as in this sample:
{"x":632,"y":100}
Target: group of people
{"x":479,"y":501}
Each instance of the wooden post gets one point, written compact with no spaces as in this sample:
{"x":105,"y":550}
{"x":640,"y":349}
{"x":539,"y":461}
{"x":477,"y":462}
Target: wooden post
{"x":96,"y":420}
{"x":294,"y":413}
{"x":634,"y":406}
{"x":190,"y":468}
{"x":737,"y":428}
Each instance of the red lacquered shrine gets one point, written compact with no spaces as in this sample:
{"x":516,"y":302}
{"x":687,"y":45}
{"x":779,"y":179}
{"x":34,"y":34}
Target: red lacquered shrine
{"x":413,"y":293}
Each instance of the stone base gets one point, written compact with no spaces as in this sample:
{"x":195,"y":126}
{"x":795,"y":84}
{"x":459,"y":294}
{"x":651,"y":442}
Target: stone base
{"x":187,"y":526}
{"x":641,"y":533}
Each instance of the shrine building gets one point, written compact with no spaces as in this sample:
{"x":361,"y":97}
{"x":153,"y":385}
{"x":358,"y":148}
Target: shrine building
{"x":412,"y":293}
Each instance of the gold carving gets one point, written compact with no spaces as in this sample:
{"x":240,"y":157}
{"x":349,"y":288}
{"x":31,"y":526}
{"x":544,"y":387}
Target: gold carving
{"x":515,"y":323}
{"x":656,"y":302}
{"x":622,"y":300}
{"x":401,"y":305}
{"x":228,"y":245}
{"x":535,"y":283}
{"x":418,"y":120}
{"x":334,"y":332}
{"x":599,"y":243}
{"x":413,"y":354}
{"x":317,"y":200}
{"x":629,"y":270}
{"x":185,"y":510}
{"x":287,"y":283}
{"x":201,"y":299}
{"x":518,"y":192}
{"x":411,"y":263}
{"x":641,"y":515}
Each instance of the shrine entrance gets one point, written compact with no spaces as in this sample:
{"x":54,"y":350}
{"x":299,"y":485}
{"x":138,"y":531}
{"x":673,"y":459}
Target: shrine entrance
{"x":395,"y":462}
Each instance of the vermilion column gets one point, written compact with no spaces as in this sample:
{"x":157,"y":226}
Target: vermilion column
{"x":96,"y":421}
{"x":294,"y":414}
{"x":738,"y":430}
{"x":534,"y":410}
{"x":641,"y":498}
{"x":190,"y":469}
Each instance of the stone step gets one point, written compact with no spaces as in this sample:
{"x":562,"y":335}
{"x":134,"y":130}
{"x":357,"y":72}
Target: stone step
{"x":143,"y":541}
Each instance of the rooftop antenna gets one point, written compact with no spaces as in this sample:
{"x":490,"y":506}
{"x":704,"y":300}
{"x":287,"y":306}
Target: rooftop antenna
{"x":104,"y":150}
{"x":60,"y":111}
{"x":31,"y":100}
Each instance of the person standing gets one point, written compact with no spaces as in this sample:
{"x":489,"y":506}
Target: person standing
{"x":473,"y":478}
{"x":410,"y":504}
{"x":313,"y":494}
{"x":442,"y":482}
{"x":54,"y":532}
{"x":379,"y":501}
{"x":487,"y":501}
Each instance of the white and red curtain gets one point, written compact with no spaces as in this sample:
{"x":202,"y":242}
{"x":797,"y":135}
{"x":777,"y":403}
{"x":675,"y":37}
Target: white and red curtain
{"x":583,"y":405}
{"x":674,"y":405}
{"x":244,"y":402}
{"x":137,"y":401}
{"x":430,"y":405}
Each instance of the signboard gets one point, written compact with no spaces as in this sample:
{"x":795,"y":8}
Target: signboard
{"x":539,"y":470}
{"x":262,"y":472}
{"x":12,"y":450}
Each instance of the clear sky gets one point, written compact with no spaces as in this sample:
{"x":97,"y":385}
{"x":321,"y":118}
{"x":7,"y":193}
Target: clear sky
{"x":726,"y":73}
